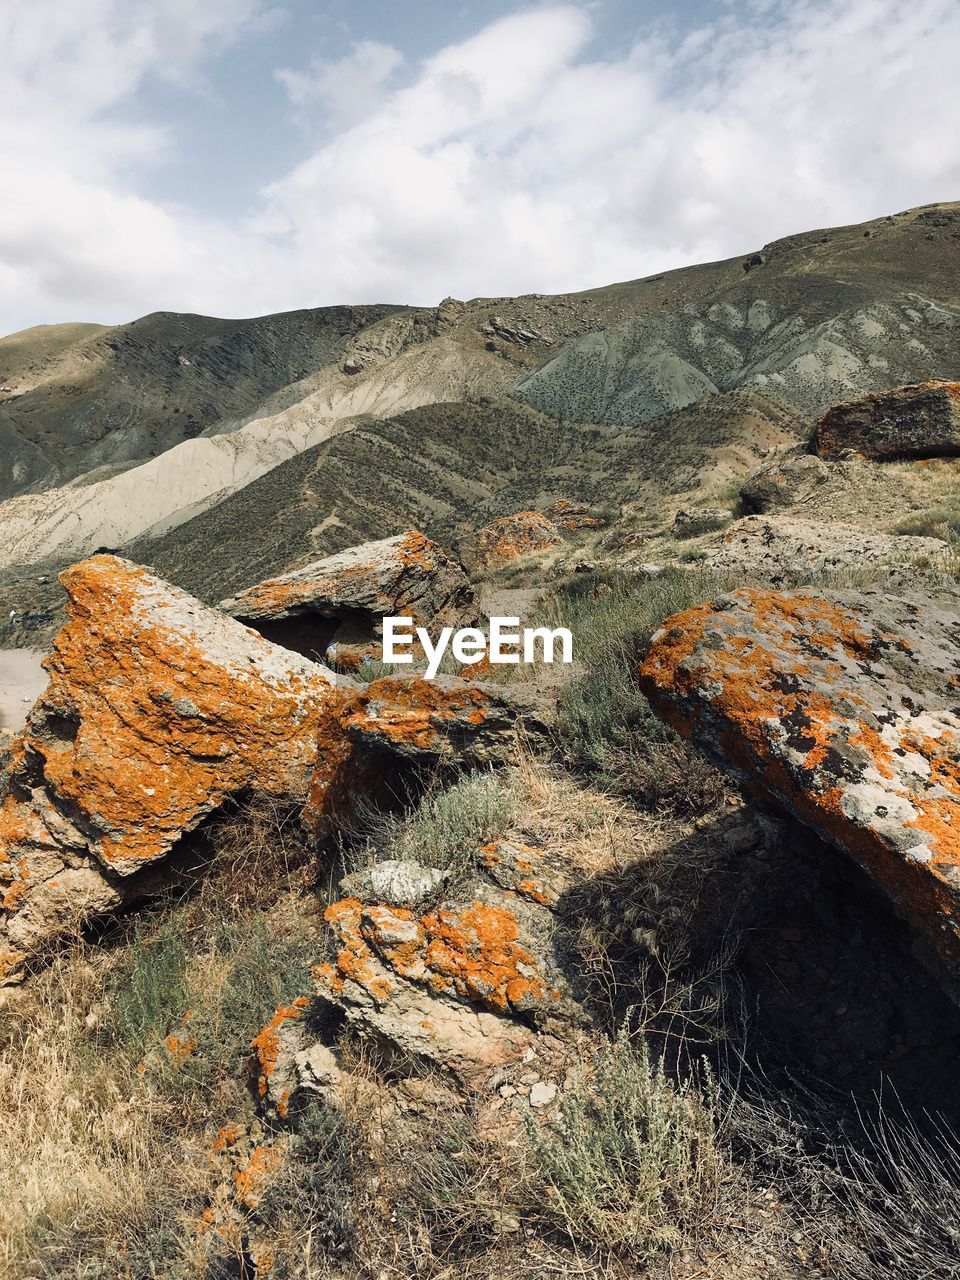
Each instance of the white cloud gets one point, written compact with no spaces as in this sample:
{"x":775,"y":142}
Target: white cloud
{"x":513,"y":161}
{"x":346,"y":88}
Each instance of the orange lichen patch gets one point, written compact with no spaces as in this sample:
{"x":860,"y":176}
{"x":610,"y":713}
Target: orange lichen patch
{"x":146,"y":725}
{"x":252,"y":1179}
{"x":354,"y":962}
{"x":266,"y":1045}
{"x":517,"y":535}
{"x":18,"y":887}
{"x":790,"y":691}
{"x":475,"y":953}
{"x":570,"y":516}
{"x":179,"y":1048}
{"x":227,"y":1136}
{"x":411,"y":711}
{"x":472,"y":952}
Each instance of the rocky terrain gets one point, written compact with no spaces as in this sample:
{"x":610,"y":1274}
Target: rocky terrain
{"x":645,"y":966}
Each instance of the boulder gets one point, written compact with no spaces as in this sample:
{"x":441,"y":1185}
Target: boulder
{"x":844,"y":709}
{"x":691,"y":523}
{"x":332,"y":610}
{"x":776,"y":547}
{"x":518,"y":535}
{"x":783,"y":483}
{"x":156,"y":711}
{"x":920,"y":420}
{"x":461,"y":986}
{"x":371,"y":733}
{"x":572,"y":516}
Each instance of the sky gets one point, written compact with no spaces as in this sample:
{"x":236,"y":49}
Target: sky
{"x":237,"y":157}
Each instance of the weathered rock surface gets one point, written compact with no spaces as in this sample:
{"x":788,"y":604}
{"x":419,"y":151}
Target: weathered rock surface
{"x":332,"y":610}
{"x":460,"y":985}
{"x":783,"y":483}
{"x":369,"y":731}
{"x":774,"y":547}
{"x":920,"y":420}
{"x":844,"y":708}
{"x":157,"y":710}
{"x":572,"y":516}
{"x":518,"y":535}
{"x":690,"y":523}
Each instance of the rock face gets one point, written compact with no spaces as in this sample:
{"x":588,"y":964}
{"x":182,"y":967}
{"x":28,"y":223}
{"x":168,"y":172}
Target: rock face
{"x":518,"y":535}
{"x":920,"y":420}
{"x":332,"y":610}
{"x":370,"y":732}
{"x":460,"y":985}
{"x":783,"y":483}
{"x":775,"y":547}
{"x":690,"y":523}
{"x":157,"y":710}
{"x":844,"y":708}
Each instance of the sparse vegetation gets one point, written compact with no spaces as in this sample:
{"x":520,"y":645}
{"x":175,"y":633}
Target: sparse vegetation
{"x":632,"y":1162}
{"x":606,"y":727}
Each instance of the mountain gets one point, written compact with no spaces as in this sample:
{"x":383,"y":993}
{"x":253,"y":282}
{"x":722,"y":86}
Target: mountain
{"x":217,"y":449}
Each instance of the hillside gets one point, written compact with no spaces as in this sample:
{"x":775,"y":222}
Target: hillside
{"x":189,"y":410}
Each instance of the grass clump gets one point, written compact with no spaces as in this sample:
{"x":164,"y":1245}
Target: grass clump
{"x":632,"y":1162}
{"x":606,"y":728}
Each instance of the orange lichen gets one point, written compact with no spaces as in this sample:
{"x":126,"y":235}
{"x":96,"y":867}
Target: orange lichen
{"x":161,"y":729}
{"x":793,"y":669}
{"x":267,"y":1044}
{"x":472,"y":952}
{"x":250,"y":1181}
{"x":227,"y":1136}
{"x":179,"y":1047}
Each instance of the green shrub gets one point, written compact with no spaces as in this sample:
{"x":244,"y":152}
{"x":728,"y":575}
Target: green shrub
{"x":150,"y":991}
{"x":632,"y":1161}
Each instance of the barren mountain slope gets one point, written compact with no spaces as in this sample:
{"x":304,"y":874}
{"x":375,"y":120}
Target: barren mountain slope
{"x":805,"y":322}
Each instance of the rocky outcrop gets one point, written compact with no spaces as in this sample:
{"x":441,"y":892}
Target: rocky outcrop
{"x":571,"y":517}
{"x":332,"y":610}
{"x":370,"y":732}
{"x":775,"y":548}
{"x":157,"y":710}
{"x":513,"y":536}
{"x":843,"y":708}
{"x":784,"y":483}
{"x":920,"y":420}
{"x":691,"y":523}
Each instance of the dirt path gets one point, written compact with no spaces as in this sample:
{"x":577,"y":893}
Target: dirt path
{"x":22,"y":680}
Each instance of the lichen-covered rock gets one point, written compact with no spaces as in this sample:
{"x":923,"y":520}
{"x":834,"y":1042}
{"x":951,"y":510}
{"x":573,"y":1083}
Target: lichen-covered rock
{"x":332,"y":610}
{"x":370,"y":730}
{"x":513,"y":536}
{"x":157,"y":710}
{"x":692,"y":522}
{"x":783,"y":483}
{"x":457,"y":985}
{"x":775,"y":547}
{"x":920,"y":420}
{"x":844,"y":708}
{"x":571,"y":517}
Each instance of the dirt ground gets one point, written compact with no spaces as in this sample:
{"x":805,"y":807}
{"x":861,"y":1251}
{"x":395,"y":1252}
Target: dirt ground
{"x":22,"y":679}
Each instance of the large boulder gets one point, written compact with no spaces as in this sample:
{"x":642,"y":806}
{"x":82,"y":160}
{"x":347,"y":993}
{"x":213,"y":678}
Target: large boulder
{"x":784,"y":483}
{"x":777,"y":547}
{"x":920,"y":420}
{"x":514,"y":536}
{"x":157,"y":710}
{"x":843,"y":708}
{"x":332,"y":610}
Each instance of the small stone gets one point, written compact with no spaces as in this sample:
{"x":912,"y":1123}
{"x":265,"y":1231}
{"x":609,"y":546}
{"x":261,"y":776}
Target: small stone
{"x":542,"y":1094}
